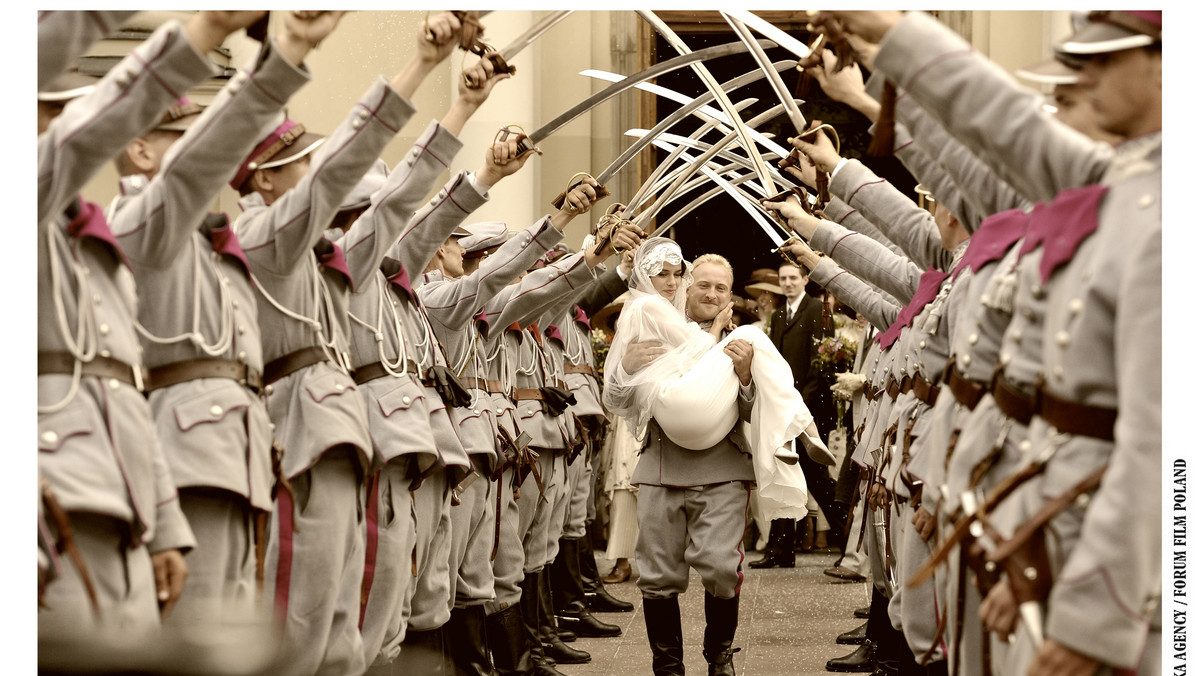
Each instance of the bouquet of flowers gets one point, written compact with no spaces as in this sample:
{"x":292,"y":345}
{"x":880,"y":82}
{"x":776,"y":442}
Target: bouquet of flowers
{"x":834,"y":354}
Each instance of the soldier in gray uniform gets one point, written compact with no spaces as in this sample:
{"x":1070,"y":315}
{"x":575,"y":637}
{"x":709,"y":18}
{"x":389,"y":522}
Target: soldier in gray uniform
{"x":693,"y":505}
{"x":454,"y":304}
{"x":198,"y":318}
{"x":1064,"y":456}
{"x":315,"y":557}
{"x":98,"y":452}
{"x":397,"y":368}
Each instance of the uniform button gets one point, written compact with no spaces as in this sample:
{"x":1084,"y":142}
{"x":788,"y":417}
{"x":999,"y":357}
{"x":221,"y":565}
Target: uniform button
{"x":1030,"y":573}
{"x":105,"y":353}
{"x":973,"y":338}
{"x":339,"y":387}
{"x":225,"y":281}
{"x":113,"y":383}
{"x":922,"y":345}
{"x":406,"y":400}
{"x":96,"y":298}
{"x":241,"y":330}
{"x":1005,"y":358}
{"x":356,"y":124}
{"x":216,"y":410}
{"x":1146,"y":201}
{"x":242,"y":355}
{"x":1075,"y":306}
{"x":104,"y":329}
{"x":1037,"y":291}
{"x":272,"y":426}
{"x":1028,"y":314}
{"x":966,"y":360}
{"x":363,"y":114}
{"x":1062,"y":338}
{"x":1024,"y":446}
{"x":269,"y":389}
{"x":50,"y":437}
{"x":1083,"y":500}
{"x":1016,"y":336}
{"x":990,"y":566}
{"x":885,"y":369}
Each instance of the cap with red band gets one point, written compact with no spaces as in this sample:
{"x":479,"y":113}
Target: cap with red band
{"x":287,"y":143}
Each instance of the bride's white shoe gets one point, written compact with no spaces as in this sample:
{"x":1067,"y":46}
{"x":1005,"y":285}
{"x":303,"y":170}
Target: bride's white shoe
{"x":786,"y":455}
{"x":817,"y":450}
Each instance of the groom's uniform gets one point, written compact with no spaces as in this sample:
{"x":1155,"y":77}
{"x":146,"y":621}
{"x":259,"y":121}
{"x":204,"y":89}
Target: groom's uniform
{"x":693,"y":507}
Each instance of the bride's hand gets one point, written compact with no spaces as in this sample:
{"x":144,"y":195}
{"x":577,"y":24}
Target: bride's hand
{"x":723,"y":320}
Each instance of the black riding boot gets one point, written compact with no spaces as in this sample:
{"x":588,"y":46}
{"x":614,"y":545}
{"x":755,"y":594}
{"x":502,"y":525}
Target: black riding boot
{"x":553,"y":646}
{"x":664,"y":628}
{"x":530,"y":610}
{"x":781,"y":546}
{"x":569,"y":601}
{"x":720,"y":624}
{"x":507,"y":642}
{"x":466,"y":637}
{"x":598,"y":600}
{"x":424,"y":652}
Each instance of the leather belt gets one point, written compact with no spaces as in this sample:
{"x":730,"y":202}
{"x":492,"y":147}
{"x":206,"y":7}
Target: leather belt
{"x":278,"y":369}
{"x":1071,"y":417}
{"x":897,"y":387}
{"x":376,"y":370}
{"x":586,"y":369}
{"x":495,"y":387}
{"x":560,"y":384}
{"x":100,"y":367}
{"x":519,"y":394}
{"x":475,"y":384}
{"x":1011,"y":400}
{"x":925,"y":390}
{"x":194,"y":369}
{"x":967,"y":392}
{"x":870,"y":392}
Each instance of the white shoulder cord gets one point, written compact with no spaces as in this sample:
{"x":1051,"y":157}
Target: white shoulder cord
{"x":84,"y":343}
{"x":397,"y":366}
{"x":311,"y":322}
{"x":327,"y":311}
{"x":575,"y":356}
{"x":225,"y":337}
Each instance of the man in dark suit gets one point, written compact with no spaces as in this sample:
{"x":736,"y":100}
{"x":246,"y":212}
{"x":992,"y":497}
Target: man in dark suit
{"x":794,"y":329}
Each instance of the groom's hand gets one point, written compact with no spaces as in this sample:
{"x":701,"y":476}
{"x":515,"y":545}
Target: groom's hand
{"x":640,"y":354}
{"x":742,"y":354}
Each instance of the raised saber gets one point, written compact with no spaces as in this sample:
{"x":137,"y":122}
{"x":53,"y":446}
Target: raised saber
{"x":705,"y":111}
{"x":653,"y":209}
{"x":654,"y":71}
{"x":673,"y":95}
{"x":501,"y":58}
{"x":793,"y":111}
{"x":770,"y":30}
{"x":669,"y":35}
{"x":687,"y":109}
{"x":736,"y":192}
{"x":701,"y":146}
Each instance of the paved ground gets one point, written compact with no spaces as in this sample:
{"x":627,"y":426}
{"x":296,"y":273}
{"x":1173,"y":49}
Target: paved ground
{"x":788,"y":620}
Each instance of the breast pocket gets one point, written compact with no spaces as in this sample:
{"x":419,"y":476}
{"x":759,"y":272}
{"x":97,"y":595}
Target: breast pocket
{"x":332,"y":384}
{"x":56,"y":429}
{"x":402,"y":398}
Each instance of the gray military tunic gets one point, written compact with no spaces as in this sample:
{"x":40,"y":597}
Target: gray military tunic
{"x":315,"y":556}
{"x":1106,"y":597}
{"x":198,"y":304}
{"x":97,"y":449}
{"x":388,"y":329}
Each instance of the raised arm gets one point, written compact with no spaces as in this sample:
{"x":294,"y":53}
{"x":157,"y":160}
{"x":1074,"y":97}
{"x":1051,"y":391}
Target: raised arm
{"x":153,"y":223}
{"x":65,"y":35}
{"x":91,"y":130}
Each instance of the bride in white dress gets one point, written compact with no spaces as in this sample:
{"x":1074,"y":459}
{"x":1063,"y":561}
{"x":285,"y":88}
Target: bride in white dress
{"x":690,"y":387}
